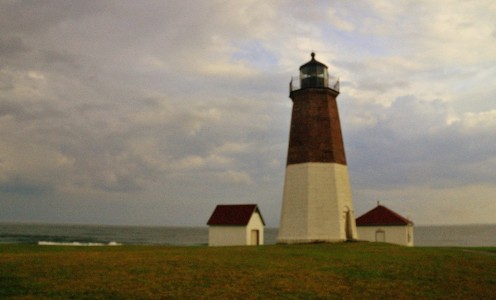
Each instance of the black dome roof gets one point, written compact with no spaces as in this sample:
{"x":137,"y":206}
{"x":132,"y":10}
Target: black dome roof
{"x":313,"y":62}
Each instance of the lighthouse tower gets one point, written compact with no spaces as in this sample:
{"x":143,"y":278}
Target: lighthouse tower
{"x":317,"y":205}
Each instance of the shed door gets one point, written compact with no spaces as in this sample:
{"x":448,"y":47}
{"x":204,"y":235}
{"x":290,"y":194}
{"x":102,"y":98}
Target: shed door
{"x":255,"y":237}
{"x":380,"y":236}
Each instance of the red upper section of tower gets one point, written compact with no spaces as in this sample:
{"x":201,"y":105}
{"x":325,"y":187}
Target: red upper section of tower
{"x":315,"y":133}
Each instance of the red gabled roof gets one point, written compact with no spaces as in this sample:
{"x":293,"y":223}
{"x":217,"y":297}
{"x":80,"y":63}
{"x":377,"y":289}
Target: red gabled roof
{"x":234,"y":215}
{"x":382,"y":216}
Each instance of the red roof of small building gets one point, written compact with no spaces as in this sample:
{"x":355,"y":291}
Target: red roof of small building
{"x":382,"y":216}
{"x":233,"y":214}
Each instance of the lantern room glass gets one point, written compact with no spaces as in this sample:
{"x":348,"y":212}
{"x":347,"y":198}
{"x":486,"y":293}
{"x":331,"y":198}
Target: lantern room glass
{"x":314,"y":75}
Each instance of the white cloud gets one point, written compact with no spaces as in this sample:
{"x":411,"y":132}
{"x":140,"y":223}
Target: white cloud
{"x":338,"y":21}
{"x":190,"y":162}
{"x":482,"y":121}
{"x":238,"y":177}
{"x":233,"y":148}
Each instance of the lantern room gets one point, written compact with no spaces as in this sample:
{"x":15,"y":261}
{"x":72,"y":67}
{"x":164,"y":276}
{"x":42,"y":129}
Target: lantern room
{"x":314,"y":74}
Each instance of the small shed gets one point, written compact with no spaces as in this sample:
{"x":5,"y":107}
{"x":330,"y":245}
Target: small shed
{"x":236,"y":225}
{"x":384,"y":225}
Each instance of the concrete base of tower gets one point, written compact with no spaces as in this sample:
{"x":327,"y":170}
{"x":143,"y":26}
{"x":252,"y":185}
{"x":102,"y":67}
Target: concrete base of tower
{"x":317,"y":204}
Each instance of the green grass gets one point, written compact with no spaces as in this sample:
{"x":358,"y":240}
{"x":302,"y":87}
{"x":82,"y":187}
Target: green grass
{"x":348,"y":270}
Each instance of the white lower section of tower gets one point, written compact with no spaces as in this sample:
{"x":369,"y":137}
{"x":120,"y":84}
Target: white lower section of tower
{"x":317,"y":205}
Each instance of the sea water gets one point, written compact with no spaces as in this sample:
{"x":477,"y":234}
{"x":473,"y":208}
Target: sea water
{"x":96,"y":235}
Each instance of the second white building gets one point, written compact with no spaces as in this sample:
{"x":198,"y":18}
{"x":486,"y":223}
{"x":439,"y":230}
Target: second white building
{"x":384,"y":225}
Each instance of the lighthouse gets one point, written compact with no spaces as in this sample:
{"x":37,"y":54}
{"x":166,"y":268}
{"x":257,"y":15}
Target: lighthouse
{"x":317,"y":203}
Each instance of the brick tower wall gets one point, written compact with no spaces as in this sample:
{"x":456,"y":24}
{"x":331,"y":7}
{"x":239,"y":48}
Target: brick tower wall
{"x":315,"y":133}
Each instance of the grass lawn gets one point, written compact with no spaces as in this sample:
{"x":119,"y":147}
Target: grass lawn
{"x":347,"y":270}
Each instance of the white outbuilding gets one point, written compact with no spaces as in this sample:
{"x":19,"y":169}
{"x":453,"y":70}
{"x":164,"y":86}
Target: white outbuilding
{"x":236,"y":225}
{"x":384,"y":225}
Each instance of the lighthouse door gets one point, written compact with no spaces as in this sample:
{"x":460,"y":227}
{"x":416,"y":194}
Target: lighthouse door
{"x":348,"y":230}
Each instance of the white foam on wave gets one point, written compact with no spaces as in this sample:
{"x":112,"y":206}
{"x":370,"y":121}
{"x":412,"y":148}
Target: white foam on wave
{"x":45,"y":243}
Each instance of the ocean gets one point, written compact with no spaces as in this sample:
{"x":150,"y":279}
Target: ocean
{"x":94,"y":235}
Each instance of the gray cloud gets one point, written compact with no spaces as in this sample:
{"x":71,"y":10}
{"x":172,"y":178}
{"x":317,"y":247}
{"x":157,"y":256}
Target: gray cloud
{"x":164,"y":109}
{"x":19,"y":186}
{"x":11,"y":46}
{"x":413,"y":144}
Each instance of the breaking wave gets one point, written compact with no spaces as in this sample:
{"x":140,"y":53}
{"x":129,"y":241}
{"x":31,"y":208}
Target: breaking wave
{"x":46,"y":243}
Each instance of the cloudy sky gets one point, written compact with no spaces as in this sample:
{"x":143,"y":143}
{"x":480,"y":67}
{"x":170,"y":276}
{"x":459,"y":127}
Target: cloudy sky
{"x":152,"y":112}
